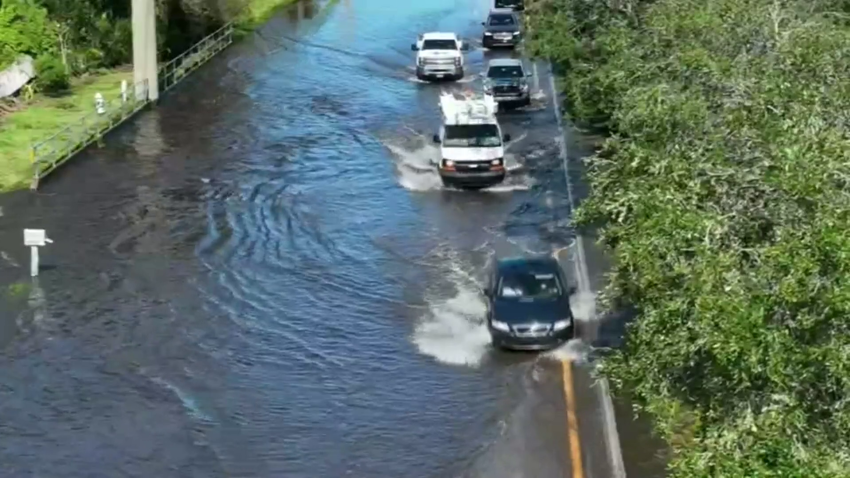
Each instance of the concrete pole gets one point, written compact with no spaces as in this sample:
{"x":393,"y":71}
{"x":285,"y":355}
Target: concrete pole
{"x":144,"y":47}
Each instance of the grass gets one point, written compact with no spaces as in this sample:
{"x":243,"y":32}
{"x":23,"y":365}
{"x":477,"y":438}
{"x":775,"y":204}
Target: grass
{"x":45,"y":116}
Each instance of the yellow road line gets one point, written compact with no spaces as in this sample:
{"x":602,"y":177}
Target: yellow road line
{"x":572,"y":422}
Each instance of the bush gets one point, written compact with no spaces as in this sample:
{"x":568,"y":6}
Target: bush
{"x":24,"y":29}
{"x":723,"y":191}
{"x":51,"y":74}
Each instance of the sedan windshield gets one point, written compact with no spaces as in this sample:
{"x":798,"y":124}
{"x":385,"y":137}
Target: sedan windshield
{"x":498,"y":20}
{"x":439,"y":45}
{"x":505,"y":72}
{"x":472,"y":136}
{"x":526,"y":285}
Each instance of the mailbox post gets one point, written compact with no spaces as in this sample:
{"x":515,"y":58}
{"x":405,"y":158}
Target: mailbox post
{"x":35,"y":238}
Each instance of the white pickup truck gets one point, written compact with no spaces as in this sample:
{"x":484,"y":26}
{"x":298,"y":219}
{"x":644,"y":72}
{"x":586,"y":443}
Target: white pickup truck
{"x":472,"y":146}
{"x":439,"y":55}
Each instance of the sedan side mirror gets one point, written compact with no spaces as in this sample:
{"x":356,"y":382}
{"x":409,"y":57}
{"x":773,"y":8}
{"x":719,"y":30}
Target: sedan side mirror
{"x":436,"y":138}
{"x":413,"y":47}
{"x":506,"y":138}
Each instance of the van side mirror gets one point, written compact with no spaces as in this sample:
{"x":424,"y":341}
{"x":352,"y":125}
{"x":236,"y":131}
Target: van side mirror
{"x":436,"y":138}
{"x":506,"y":137}
{"x":413,"y":47}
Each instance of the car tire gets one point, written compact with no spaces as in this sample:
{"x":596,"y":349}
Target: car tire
{"x":459,"y":75}
{"x":526,"y":101}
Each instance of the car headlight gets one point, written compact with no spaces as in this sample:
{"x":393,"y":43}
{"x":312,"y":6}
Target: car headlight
{"x":457,"y":61}
{"x":448,"y":164}
{"x":420,"y":61}
{"x":496,"y":162}
{"x":516,"y":33}
{"x":561,"y":324}
{"x":488,"y":34}
{"x":500,"y":326}
{"x":524,"y":87}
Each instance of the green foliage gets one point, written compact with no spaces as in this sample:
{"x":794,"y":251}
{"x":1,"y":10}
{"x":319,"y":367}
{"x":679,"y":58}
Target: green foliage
{"x":51,"y":74}
{"x":723,"y":194}
{"x":24,"y":29}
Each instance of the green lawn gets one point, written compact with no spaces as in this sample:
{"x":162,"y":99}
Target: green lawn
{"x":44,"y":117}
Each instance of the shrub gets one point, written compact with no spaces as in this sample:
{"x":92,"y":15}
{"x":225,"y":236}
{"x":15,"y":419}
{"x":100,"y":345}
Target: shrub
{"x":51,"y":74}
{"x":723,"y":195}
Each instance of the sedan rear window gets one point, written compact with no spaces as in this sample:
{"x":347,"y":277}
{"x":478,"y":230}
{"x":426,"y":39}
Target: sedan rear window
{"x":528,"y":285}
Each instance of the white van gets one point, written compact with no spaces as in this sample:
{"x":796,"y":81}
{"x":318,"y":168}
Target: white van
{"x":472,"y":146}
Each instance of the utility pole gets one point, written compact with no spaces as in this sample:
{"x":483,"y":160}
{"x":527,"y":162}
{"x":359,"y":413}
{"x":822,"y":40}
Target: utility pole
{"x":144,"y":50}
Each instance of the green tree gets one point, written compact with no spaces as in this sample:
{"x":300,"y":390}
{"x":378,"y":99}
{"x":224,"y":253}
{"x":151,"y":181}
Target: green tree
{"x":24,"y":29}
{"x":722,"y":193}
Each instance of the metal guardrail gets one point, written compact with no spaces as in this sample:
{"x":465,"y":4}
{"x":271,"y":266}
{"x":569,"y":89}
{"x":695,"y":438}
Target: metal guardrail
{"x":175,"y":70}
{"x":50,"y":153}
{"x":55,"y":150}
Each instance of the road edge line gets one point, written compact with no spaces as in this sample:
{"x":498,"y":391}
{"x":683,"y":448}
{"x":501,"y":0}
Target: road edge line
{"x":615,"y":453}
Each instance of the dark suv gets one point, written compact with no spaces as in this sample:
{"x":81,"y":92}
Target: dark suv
{"x":516,"y":5}
{"x":529,"y":304}
{"x":507,"y":80}
{"x":501,"y":29}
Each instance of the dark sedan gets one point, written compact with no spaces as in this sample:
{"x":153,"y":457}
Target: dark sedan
{"x":529,"y":304}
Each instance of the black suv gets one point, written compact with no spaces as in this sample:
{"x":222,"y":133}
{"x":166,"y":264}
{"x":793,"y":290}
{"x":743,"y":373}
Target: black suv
{"x":507,"y":81}
{"x":529,"y":304}
{"x":501,"y":29}
{"x":516,"y":5}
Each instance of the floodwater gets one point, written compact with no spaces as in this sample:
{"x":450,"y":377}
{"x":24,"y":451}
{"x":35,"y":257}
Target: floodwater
{"x":262,"y":276}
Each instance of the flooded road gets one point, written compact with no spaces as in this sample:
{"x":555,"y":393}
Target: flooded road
{"x":263,"y":276}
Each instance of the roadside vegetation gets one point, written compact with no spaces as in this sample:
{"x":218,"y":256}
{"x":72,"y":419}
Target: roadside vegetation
{"x":723,"y":192}
{"x":83,"y":47}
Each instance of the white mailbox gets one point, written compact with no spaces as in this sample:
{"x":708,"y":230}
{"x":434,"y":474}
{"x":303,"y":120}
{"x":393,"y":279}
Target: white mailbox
{"x":35,"y":237}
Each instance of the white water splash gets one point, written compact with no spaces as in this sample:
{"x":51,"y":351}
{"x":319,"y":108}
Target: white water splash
{"x":583,"y":305}
{"x":417,"y":169}
{"x":454,"y":331}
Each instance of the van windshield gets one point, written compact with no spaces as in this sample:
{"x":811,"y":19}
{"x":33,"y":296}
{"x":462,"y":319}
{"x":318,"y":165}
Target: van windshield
{"x":439,"y":45}
{"x":529,"y":286}
{"x":472,"y":136}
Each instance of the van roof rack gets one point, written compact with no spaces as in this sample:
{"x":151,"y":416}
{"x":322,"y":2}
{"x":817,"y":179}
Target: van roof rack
{"x":468,"y":108}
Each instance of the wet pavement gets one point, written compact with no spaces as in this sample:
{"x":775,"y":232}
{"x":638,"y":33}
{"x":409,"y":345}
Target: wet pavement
{"x":263,"y":276}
